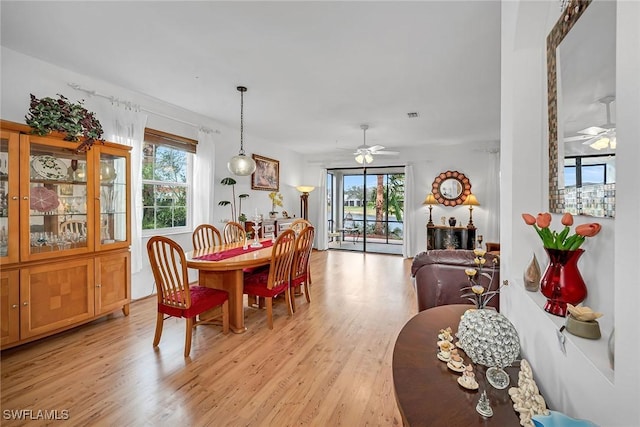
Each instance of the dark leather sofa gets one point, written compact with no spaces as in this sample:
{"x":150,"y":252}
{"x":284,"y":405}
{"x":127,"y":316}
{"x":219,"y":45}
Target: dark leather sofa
{"x":439,"y":277}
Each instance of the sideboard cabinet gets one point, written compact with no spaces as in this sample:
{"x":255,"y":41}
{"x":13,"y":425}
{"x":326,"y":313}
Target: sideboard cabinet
{"x":64,"y":233}
{"x":443,"y":237}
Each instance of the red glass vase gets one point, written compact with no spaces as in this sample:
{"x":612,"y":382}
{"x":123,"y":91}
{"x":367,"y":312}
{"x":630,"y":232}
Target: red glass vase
{"x":562,"y":282}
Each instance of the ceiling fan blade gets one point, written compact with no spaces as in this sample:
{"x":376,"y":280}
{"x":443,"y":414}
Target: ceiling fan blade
{"x":593,"y":130}
{"x":375,"y":148}
{"x":577,"y":138}
{"x":386,"y":153}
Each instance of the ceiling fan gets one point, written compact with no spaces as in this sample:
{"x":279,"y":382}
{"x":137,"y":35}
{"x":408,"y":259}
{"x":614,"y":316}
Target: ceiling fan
{"x":599,"y":137}
{"x":364,"y":153}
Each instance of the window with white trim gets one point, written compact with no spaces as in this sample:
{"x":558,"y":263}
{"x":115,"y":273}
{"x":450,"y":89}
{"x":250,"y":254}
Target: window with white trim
{"x":166,"y":182}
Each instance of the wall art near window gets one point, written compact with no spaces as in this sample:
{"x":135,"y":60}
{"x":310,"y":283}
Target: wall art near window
{"x":267,"y":174}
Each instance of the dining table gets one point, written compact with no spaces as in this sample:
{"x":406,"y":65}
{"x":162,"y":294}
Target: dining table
{"x":223,"y":267}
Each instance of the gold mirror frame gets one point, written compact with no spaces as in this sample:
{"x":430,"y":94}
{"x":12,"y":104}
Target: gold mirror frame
{"x":567,"y":20}
{"x":464,"y":185}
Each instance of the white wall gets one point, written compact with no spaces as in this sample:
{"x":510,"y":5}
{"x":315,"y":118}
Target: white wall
{"x":581,"y":382}
{"x":480,"y":165}
{"x":22,"y":75}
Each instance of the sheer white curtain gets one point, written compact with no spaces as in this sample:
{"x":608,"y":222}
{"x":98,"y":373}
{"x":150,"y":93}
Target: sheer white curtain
{"x":203,"y":175}
{"x":128,"y":129}
{"x":321,"y":229}
{"x":409,"y":212}
{"x":493,"y":198}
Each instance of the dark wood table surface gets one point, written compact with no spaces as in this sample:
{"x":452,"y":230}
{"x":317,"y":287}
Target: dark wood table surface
{"x":427,"y":392}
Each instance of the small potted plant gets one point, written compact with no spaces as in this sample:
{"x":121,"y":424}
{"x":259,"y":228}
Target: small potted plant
{"x":61,"y":115}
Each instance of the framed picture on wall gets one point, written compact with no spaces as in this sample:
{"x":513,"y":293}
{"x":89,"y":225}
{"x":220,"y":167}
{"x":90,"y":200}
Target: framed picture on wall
{"x":267,"y":174}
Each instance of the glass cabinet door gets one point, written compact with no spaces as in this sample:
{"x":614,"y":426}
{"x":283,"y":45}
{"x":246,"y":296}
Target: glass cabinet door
{"x":57,"y":193}
{"x":113,"y":197}
{"x":9,"y":188}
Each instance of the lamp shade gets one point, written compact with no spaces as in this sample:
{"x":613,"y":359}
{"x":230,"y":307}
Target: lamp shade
{"x":471,"y":200}
{"x":305,"y":188}
{"x":489,"y":339}
{"x":430,"y":200}
{"x":364,"y":158}
{"x":241,"y":165}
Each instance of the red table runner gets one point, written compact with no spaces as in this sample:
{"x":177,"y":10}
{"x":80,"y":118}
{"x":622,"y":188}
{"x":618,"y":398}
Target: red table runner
{"x":229,"y":253}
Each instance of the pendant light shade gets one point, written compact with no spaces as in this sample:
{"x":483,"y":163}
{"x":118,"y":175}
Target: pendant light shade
{"x":241,"y":165}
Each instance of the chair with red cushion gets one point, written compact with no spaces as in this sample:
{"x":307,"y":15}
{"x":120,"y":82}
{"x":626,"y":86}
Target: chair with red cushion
{"x":300,"y":267}
{"x":272,"y":281}
{"x":206,"y":236}
{"x":175,"y":297}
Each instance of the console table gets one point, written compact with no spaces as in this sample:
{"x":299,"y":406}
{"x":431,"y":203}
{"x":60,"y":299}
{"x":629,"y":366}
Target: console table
{"x":270,"y":227}
{"x":427,"y":392}
{"x":444,"y":237}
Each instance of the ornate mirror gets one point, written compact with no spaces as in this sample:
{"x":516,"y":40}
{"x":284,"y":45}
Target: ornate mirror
{"x":581,"y":109}
{"x":451,"y":188}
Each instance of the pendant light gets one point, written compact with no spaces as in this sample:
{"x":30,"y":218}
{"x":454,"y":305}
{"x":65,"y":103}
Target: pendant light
{"x":241,"y":165}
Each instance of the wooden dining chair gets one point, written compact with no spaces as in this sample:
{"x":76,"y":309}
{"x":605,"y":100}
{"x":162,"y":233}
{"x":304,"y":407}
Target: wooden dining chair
{"x":272,"y":281}
{"x":298,"y":224}
{"x":234,"y":232}
{"x":300,"y":266}
{"x":175,"y":297}
{"x":206,"y":236}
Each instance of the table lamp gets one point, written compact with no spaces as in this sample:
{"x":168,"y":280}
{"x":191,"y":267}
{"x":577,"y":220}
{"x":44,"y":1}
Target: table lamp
{"x":430,"y":201}
{"x":471,"y":201}
{"x":304,"y":199}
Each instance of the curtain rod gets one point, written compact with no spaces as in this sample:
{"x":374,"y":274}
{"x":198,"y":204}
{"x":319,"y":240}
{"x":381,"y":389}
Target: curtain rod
{"x":139,"y":107}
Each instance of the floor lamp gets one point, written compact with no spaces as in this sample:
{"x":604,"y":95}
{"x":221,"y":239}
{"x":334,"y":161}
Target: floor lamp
{"x":471,"y":201}
{"x":304,"y":200}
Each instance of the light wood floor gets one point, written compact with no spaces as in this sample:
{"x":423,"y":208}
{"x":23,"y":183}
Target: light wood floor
{"x":328,"y":365}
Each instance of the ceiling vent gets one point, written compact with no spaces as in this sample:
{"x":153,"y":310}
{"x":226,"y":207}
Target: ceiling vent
{"x":412,"y":115}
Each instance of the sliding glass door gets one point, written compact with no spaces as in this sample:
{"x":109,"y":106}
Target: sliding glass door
{"x":365,"y":209}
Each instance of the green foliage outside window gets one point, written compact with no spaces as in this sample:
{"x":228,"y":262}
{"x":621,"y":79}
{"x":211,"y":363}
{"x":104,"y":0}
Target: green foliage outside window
{"x":165,"y":189}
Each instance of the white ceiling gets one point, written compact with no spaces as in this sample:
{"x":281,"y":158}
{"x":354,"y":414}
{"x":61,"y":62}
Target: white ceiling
{"x":315,"y":71}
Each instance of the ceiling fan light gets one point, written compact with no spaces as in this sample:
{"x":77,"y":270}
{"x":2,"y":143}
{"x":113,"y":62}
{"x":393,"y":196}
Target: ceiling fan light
{"x":360,"y":158}
{"x":613,"y":143}
{"x":368,"y":158}
{"x":600,"y":143}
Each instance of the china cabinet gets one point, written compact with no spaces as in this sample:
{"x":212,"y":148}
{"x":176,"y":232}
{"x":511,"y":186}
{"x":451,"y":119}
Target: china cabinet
{"x":64,"y":233}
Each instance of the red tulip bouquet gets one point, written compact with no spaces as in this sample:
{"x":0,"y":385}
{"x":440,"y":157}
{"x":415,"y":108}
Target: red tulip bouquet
{"x":561,"y":240}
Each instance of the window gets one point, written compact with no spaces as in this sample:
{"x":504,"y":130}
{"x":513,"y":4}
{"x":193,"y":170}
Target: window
{"x":166,"y":189}
{"x":588,"y":170}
